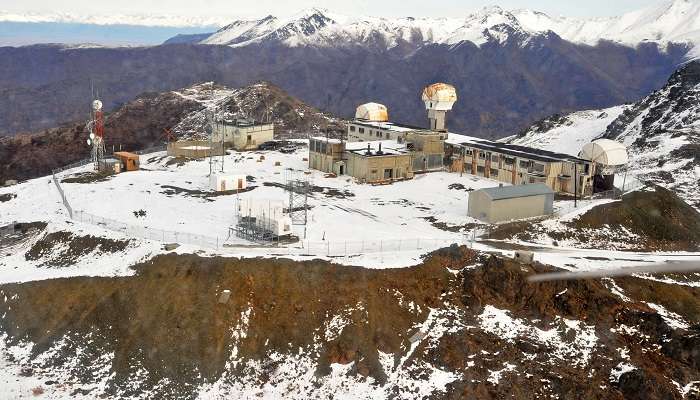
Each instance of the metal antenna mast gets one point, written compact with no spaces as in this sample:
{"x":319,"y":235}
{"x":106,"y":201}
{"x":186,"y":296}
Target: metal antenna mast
{"x":95,"y":127}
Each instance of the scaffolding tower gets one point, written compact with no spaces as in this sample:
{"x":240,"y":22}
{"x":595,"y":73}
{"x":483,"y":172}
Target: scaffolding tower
{"x":298,"y":199}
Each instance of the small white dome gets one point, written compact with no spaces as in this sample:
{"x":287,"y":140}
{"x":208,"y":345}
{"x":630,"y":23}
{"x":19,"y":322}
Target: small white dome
{"x":606,"y":152}
{"x":372,"y":112}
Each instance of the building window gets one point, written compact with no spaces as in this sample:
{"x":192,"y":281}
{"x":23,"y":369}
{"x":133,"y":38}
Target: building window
{"x":494,"y":173}
{"x":480,"y":169}
{"x":352,"y":129}
{"x":482,"y":155}
{"x":362,"y":130}
{"x":586,"y":168}
{"x":388,"y":173}
{"x":467,"y":152}
{"x":509,"y":161}
{"x":524,"y":164}
{"x":386,"y":135}
{"x":538,"y":167}
{"x":494,"y":158}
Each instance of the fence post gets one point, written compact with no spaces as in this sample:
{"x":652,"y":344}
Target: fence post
{"x":328,"y":249}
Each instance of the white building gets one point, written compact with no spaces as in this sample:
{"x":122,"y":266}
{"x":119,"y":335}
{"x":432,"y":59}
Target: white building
{"x":267,"y":215}
{"x":243,"y":134}
{"x":223,"y":182}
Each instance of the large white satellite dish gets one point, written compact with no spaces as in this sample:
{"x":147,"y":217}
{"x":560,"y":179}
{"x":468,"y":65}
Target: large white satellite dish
{"x":89,"y":142}
{"x":97,"y":105}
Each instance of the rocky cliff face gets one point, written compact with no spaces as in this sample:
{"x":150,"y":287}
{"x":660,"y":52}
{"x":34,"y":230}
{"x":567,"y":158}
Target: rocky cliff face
{"x":312,"y":330}
{"x":661,"y":131}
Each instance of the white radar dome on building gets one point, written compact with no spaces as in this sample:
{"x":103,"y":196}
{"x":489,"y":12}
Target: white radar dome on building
{"x":439,"y":96}
{"x":372,"y":112}
{"x":605,"y":152}
{"x":97,"y":105}
{"x":439,"y":99}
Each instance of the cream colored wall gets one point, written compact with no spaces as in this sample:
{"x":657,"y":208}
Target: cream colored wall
{"x":237,"y":136}
{"x":517,"y":208}
{"x":361,"y":167}
{"x":482,"y":207}
{"x":552,"y":170}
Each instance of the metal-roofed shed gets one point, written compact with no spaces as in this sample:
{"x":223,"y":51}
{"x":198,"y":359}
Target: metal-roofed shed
{"x":508,"y":203}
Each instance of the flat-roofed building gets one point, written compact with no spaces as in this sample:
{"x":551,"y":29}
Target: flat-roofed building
{"x":519,"y":165}
{"x":427,"y":147}
{"x":368,"y":162}
{"x":508,"y":203}
{"x":327,"y":155}
{"x":243,"y":134}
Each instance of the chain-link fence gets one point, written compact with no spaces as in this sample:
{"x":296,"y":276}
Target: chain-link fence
{"x":303,"y":247}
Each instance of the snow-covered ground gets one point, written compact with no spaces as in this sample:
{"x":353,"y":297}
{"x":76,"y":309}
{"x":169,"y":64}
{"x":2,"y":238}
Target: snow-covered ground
{"x":355,"y":224}
{"x":380,"y":226}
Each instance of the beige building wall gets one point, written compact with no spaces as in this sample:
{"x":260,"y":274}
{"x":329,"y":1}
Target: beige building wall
{"x":494,"y":211}
{"x":558,"y":175}
{"x":194,"y":149}
{"x":244,"y":137}
{"x":379,"y":168}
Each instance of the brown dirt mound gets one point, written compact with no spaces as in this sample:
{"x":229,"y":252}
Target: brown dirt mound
{"x":661,"y":218}
{"x":167,"y":320}
{"x":62,"y":249}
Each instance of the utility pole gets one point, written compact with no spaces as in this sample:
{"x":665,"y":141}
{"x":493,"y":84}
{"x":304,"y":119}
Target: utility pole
{"x":575,"y":186}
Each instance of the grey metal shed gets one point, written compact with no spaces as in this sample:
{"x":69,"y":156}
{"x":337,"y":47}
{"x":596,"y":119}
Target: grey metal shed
{"x":507,"y":203}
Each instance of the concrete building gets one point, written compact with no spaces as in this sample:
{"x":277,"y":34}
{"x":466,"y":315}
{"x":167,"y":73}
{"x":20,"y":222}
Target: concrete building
{"x":243,"y":134}
{"x":520,"y":165}
{"x":508,"y":203}
{"x":379,"y":161}
{"x":327,"y":155}
{"x":223,"y":182}
{"x":427,"y":148}
{"x":368,"y":162}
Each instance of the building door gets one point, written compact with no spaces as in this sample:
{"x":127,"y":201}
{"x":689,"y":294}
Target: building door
{"x":223,"y":185}
{"x":388,"y":173}
{"x":240,"y":184}
{"x":342,"y":169}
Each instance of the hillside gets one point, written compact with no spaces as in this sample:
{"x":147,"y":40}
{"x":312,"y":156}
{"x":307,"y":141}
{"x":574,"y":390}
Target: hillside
{"x":141,"y":123}
{"x":662,"y":132}
{"x":363,"y":304}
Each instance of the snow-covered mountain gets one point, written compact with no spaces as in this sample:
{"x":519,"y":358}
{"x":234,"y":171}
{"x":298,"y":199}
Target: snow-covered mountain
{"x":675,"y":21}
{"x":662,"y":132}
{"x":162,"y":20}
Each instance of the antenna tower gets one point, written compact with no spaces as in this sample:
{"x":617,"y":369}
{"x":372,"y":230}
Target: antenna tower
{"x":95,"y":127}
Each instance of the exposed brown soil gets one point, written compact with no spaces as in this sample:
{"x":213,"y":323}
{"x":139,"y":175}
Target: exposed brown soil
{"x":447,"y":227}
{"x":658,"y":218}
{"x":167,"y":320}
{"x":658,"y":215}
{"x":174,"y":190}
{"x":87,"y":177}
{"x":62,"y":249}
{"x":7,"y":197}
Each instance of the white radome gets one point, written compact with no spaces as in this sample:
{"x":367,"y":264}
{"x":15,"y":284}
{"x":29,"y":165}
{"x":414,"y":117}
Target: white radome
{"x":89,"y":142}
{"x":92,"y":136}
{"x":439,"y":96}
{"x":606,"y":152}
{"x":372,"y":112}
{"x":97,"y":105}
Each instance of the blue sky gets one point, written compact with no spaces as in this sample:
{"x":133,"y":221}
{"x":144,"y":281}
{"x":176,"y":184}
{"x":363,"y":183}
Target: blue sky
{"x":589,"y":8}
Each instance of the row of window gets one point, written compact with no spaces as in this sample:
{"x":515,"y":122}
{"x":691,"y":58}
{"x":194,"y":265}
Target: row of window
{"x":377,"y":134}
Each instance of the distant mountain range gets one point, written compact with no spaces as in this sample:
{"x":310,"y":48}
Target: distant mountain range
{"x":510,"y":67}
{"x":677,"y":21}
